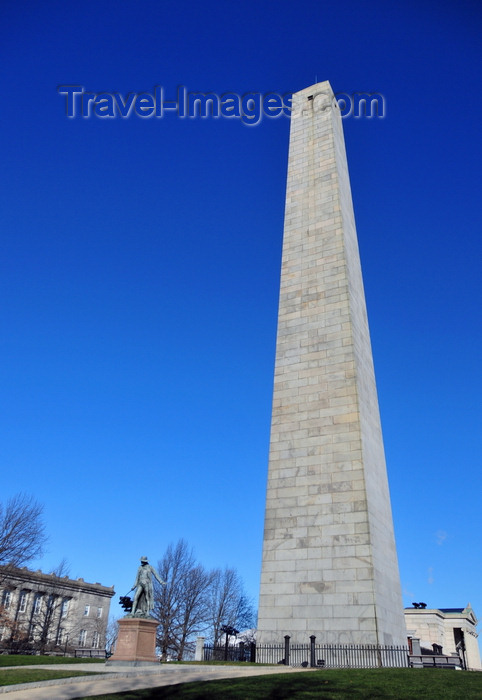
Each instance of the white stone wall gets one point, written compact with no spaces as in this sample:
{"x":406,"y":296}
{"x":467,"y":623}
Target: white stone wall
{"x":329,"y":559}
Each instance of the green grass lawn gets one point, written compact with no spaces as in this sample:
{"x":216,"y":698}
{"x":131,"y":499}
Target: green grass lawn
{"x":31,"y":660}
{"x":339,"y":684}
{"x":12,"y":676}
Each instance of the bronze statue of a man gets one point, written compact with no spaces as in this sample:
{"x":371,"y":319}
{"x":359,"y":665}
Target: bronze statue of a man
{"x":144,"y":596}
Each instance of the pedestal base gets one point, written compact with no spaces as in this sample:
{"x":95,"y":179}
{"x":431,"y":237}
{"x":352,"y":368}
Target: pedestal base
{"x":136,"y":643}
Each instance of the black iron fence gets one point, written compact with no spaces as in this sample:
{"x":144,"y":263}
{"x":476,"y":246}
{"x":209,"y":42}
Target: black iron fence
{"x":333,"y":655}
{"x":312,"y":655}
{"x":232,"y":652}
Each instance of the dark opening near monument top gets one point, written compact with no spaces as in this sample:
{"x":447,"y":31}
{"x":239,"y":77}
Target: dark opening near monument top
{"x":329,"y":560}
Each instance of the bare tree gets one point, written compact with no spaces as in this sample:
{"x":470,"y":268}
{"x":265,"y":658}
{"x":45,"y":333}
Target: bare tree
{"x":193,"y":612}
{"x":228,"y":605}
{"x":111,"y":634}
{"x":181,"y":605}
{"x":246,"y":615}
{"x":13,"y":637}
{"x":196,"y":600}
{"x":62,"y":569}
{"x":22,"y":533}
{"x":168,"y":598}
{"x":47,"y":612}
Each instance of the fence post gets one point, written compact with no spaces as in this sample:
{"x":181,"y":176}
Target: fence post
{"x":240,"y":652}
{"x":252,"y":652}
{"x":312,"y":651}
{"x":287,"y":649}
{"x":199,"y":649}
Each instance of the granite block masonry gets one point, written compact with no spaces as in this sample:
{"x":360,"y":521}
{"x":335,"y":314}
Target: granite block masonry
{"x":136,"y":642}
{"x":329,"y":560}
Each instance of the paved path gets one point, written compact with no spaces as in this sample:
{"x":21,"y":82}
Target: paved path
{"x":117,"y":679}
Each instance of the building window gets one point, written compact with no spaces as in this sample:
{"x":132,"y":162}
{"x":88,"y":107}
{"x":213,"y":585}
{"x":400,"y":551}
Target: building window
{"x":99,"y":613}
{"x":37,"y":604}
{"x":86,"y":610}
{"x":82,"y":638}
{"x":95,"y":640}
{"x":6,"y":599}
{"x":64,"y":609}
{"x":60,"y":635}
{"x":22,"y":605}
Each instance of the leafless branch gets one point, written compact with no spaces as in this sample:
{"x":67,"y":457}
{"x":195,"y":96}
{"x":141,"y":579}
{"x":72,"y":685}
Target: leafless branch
{"x":22,"y":533}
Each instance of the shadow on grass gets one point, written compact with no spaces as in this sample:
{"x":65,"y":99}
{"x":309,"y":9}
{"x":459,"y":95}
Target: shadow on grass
{"x":350,"y":684}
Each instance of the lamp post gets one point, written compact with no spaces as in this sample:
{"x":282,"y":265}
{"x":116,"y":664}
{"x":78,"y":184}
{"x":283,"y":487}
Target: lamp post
{"x":228,"y":631}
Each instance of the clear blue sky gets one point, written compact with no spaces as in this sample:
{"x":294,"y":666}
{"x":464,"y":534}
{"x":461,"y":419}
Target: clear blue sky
{"x":140,"y":271}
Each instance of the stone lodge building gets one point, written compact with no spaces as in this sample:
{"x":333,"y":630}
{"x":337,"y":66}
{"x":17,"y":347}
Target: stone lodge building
{"x":44,"y":612}
{"x":452,"y":629}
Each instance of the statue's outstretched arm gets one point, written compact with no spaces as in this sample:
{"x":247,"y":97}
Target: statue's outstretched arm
{"x":154,"y":573}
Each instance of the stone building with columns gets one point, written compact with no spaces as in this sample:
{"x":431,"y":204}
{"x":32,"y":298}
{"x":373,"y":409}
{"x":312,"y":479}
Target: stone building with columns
{"x":46,"y":612}
{"x":445,"y":630}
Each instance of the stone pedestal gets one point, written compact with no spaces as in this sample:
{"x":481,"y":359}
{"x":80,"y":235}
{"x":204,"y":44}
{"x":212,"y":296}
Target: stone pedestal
{"x":199,"y":655}
{"x":136,"y":643}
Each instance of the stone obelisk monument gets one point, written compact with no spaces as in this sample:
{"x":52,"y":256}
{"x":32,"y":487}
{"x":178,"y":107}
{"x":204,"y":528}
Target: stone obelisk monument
{"x":329,"y":559}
